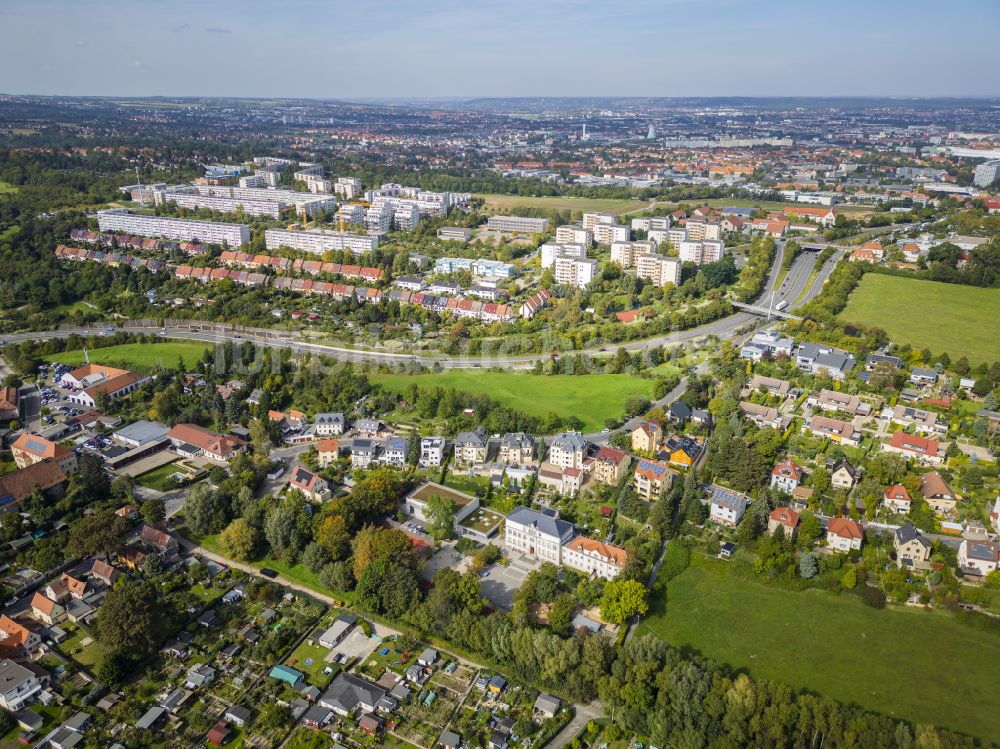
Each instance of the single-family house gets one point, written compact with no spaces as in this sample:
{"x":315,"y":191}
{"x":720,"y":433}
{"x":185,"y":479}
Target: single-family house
{"x":896,"y":499}
{"x":843,"y":534}
{"x":784,"y":518}
{"x":912,"y":549}
{"x":936,"y":492}
{"x":785,"y":476}
{"x":726,"y":507}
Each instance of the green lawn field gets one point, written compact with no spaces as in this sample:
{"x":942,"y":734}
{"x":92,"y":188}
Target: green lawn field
{"x":591,"y":398}
{"x":138,"y":356}
{"x":778,"y":205}
{"x":7,"y":187}
{"x":559,"y":203}
{"x":944,"y":317}
{"x":910,"y":664}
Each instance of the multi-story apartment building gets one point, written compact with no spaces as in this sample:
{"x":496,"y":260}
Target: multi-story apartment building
{"x":659,"y":270}
{"x":351,"y":214}
{"x":651,"y":478}
{"x":302,"y":202}
{"x":610,"y":233}
{"x":516,"y":448}
{"x":574,"y":235}
{"x":590,"y":220}
{"x":699,"y":231}
{"x":119,"y":220}
{"x":29,"y":449}
{"x":551,"y":250}
{"x":701,"y":252}
{"x":649,"y":223}
{"x":318,"y":241}
{"x":987,"y":174}
{"x":347,"y":188}
{"x":610,"y":465}
{"x":672,"y":237}
{"x":627,"y":253}
{"x":537,"y":534}
{"x":517,"y":224}
{"x":431,"y":452}
{"x":573,"y":272}
{"x":329,"y":424}
{"x":378,"y":220}
{"x":470,"y":448}
{"x":568,"y":450}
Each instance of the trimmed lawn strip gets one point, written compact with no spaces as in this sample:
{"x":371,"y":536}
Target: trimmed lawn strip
{"x":139,"y":356}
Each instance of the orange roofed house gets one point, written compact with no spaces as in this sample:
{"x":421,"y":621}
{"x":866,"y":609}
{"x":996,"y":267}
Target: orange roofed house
{"x":843,"y":534}
{"x":594,"y":557}
{"x":191,"y":440}
{"x":29,"y":449}
{"x":9,"y":404}
{"x":92,"y":380}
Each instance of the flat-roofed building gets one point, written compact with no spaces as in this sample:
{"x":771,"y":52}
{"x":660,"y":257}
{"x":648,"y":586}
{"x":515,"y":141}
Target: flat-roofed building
{"x":659,"y":270}
{"x":182,"y":229}
{"x":517,"y":224}
{"x":318,"y":241}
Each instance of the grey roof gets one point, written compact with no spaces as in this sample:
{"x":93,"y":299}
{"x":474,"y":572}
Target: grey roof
{"x":240,"y":712}
{"x":550,"y":526}
{"x":150,"y":717}
{"x":471,"y":439}
{"x":547,"y":702}
{"x":362,"y":446}
{"x":396,"y":443}
{"x":517,"y":440}
{"x":735,"y":501}
{"x":924,"y":373}
{"x":330,"y":418}
{"x":838,"y":360}
{"x":449,"y":738}
{"x":570,"y":441}
{"x":909,"y":532}
{"x":12,"y":674}
{"x":143,"y":432}
{"x":347,"y":691}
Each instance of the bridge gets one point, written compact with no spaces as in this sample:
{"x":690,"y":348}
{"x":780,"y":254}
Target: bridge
{"x":767,"y":312}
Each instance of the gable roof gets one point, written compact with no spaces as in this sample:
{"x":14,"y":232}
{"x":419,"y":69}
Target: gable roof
{"x":786,"y":516}
{"x":845,"y":528}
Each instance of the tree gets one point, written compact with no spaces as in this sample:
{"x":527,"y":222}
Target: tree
{"x":622,"y":600}
{"x":561,"y":614}
{"x":373,"y":543}
{"x":239,"y":540}
{"x":100,"y":532}
{"x":809,"y":527}
{"x":153,"y":511}
{"x":260,"y":438}
{"x":205,"y":510}
{"x":808,"y":566}
{"x":315,"y":558}
{"x":93,"y":480}
{"x":332,"y":534}
{"x":288,"y":528}
{"x":338,"y":576}
{"x":129,"y":619}
{"x":850,"y":578}
{"x":441,"y":517}
{"x":385,"y":587}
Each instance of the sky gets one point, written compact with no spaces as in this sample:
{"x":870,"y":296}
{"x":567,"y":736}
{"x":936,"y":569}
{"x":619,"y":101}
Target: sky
{"x":468,"y":48}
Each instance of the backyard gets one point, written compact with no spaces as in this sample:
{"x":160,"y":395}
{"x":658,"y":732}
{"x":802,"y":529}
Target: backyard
{"x":944,"y":317}
{"x":538,"y":395}
{"x":836,"y":646}
{"x":139,"y":356}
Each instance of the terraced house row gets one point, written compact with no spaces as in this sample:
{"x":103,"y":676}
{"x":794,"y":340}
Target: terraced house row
{"x":313,"y":267}
{"x":81,"y":254}
{"x":133,"y":242}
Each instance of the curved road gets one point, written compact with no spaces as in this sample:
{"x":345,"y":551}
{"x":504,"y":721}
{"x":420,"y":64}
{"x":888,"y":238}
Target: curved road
{"x":791,"y":289}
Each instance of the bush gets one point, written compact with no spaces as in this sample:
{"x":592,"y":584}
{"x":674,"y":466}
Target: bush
{"x":713,"y":545}
{"x":873,"y":597}
{"x":850,"y":578}
{"x":675,"y":560}
{"x":808,"y":566}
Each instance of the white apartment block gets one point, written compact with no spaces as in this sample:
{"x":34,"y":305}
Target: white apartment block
{"x":568,"y":450}
{"x":352,"y":214}
{"x":650,"y":223}
{"x":537,"y":535}
{"x":378,"y":220}
{"x":517,"y":224}
{"x":627,"y":253}
{"x":301,"y":201}
{"x":574,"y":235}
{"x":180,"y":229}
{"x":574,"y":272}
{"x":672,"y":237}
{"x":318,"y":241}
{"x":659,"y":270}
{"x":347,"y":188}
{"x":431,"y":452}
{"x":701,"y":230}
{"x":194,"y":201}
{"x":550,"y":251}
{"x":611,"y":233}
{"x":590,"y":220}
{"x":701,"y":252}
{"x":253,"y":180}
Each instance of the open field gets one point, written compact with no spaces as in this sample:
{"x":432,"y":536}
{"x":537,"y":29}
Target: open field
{"x":778,"y":205}
{"x":921,"y":666}
{"x":558,"y":203}
{"x":591,"y":398}
{"x":139,"y":356}
{"x":6,"y":187}
{"x":157,"y":478}
{"x":944,"y":317}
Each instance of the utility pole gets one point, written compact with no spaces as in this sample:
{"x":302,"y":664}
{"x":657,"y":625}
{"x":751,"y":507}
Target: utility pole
{"x":771,"y":305}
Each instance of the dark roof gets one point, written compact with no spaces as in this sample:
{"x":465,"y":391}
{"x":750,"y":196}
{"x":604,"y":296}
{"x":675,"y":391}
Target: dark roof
{"x":906,"y":533}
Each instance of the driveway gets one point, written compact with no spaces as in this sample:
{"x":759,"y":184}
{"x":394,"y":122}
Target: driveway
{"x":355,"y":645}
{"x":501,"y":583}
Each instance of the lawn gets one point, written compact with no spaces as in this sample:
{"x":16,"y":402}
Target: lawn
{"x":601,"y":205}
{"x":139,"y":356}
{"x":590,"y":398}
{"x":779,"y":205}
{"x":156,"y":479}
{"x":7,"y":187}
{"x":906,"y":663}
{"x":944,"y":317}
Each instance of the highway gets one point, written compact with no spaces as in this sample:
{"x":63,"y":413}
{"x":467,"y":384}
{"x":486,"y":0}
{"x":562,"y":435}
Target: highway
{"x":792,"y":289}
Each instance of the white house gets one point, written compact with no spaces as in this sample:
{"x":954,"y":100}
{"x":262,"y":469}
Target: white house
{"x":537,"y":535}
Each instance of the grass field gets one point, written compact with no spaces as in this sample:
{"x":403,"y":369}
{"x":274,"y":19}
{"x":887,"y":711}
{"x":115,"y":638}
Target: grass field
{"x":603,"y":205}
{"x":912,"y":664}
{"x":591,"y":398}
{"x":6,"y":187}
{"x":778,"y":205}
{"x":139,"y":356}
{"x":156,"y":479}
{"x":944,"y":317}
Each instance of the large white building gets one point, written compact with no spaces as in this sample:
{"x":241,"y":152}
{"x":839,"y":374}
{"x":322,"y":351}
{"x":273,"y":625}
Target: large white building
{"x":574,"y":235}
{"x":651,"y":222}
{"x":610,"y":233}
{"x":574,"y":272}
{"x":537,"y":535}
{"x":347,"y":188}
{"x":568,"y":450}
{"x":701,"y":230}
{"x":254,"y":200}
{"x":626,"y":254}
{"x":659,"y":270}
{"x":590,"y":220}
{"x":517,"y":224}
{"x":552,"y":250}
{"x":701,"y":252}
{"x":673,"y":236}
{"x":318,"y":241}
{"x":987,"y":173}
{"x":119,"y":220}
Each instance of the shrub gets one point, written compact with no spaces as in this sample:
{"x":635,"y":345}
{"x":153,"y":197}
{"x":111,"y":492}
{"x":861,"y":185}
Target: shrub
{"x":873,"y":597}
